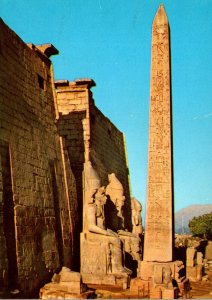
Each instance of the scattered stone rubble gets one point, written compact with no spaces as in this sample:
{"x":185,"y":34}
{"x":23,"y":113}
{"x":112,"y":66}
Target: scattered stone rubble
{"x":65,"y":285}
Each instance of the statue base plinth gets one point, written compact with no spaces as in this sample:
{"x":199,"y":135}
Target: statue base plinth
{"x":101,"y":260}
{"x":66,"y":284}
{"x":118,"y":280}
{"x":194,"y":273}
{"x":161,"y":280}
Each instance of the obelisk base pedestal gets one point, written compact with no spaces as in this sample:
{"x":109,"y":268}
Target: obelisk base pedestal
{"x":161,"y":280}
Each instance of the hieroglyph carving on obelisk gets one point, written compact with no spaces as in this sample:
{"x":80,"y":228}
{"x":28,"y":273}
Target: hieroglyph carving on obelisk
{"x":158,"y":244}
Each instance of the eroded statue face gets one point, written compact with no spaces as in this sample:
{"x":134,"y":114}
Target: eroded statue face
{"x":100,"y":197}
{"x":120,"y":202}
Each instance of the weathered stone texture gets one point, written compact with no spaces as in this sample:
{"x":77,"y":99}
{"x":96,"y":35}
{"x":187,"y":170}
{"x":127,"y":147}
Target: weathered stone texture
{"x":89,"y":135}
{"x":73,"y":126}
{"x":47,"y":132}
{"x":194,"y":273}
{"x":29,"y":139}
{"x":158,"y":265}
{"x":208,"y":251}
{"x":190,"y":257}
{"x":159,"y":215}
{"x":108,"y":155}
{"x":65,"y":285}
{"x":194,"y":264}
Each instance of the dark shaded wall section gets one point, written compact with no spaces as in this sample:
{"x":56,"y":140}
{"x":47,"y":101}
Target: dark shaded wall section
{"x":35,"y":210}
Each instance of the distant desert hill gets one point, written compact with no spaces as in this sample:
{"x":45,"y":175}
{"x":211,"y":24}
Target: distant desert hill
{"x":183,"y":216}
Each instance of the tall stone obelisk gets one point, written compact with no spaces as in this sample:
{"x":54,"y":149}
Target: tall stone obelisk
{"x":158,"y":242}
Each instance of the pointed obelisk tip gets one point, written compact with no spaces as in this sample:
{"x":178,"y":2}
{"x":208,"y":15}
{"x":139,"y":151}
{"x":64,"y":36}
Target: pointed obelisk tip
{"x":161,"y":16}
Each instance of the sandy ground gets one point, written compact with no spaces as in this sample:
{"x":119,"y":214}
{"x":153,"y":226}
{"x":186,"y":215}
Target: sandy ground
{"x":201,"y":290}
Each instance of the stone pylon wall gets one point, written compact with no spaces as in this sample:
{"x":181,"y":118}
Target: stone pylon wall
{"x":89,"y":135}
{"x":73,"y":126}
{"x":108,"y":155}
{"x":34,"y":208}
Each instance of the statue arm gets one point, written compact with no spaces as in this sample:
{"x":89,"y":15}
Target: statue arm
{"x":126,"y":233}
{"x":92,"y":227}
{"x":97,"y":229}
{"x":136,"y":220}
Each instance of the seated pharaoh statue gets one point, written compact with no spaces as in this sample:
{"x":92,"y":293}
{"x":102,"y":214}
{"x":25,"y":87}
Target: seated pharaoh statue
{"x":114,"y":213}
{"x":136,"y":209}
{"x":102,"y":256}
{"x":115,"y":203}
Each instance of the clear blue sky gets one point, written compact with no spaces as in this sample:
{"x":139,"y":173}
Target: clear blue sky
{"x":110,"y":41}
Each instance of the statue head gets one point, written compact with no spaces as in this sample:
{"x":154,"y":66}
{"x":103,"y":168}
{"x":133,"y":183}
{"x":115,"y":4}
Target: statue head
{"x":136,"y":205}
{"x":99,"y":197}
{"x":136,"y":209}
{"x":115,"y":191}
{"x":92,"y":181}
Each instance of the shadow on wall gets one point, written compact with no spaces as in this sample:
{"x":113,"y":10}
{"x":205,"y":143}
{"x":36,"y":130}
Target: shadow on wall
{"x":70,"y":127}
{"x":112,"y":220}
{"x":8,"y":268}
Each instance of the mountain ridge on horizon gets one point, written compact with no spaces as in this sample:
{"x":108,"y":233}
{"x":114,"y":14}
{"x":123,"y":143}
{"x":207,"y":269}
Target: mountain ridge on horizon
{"x":184,"y":215}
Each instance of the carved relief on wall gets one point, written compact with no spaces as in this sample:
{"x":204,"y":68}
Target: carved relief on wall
{"x":159,"y":190}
